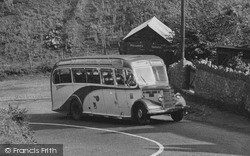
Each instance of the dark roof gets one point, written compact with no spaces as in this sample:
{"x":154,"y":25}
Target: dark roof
{"x":238,"y":48}
{"x":156,"y":26}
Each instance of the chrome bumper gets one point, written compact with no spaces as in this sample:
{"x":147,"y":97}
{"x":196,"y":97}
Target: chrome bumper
{"x":167,"y":110}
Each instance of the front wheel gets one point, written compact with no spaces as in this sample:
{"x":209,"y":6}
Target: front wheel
{"x":76,"y":110}
{"x":141,"y":116}
{"x":177,"y":116}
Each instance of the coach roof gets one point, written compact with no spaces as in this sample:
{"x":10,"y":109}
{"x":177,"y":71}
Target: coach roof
{"x":122,"y":57}
{"x":105,"y":59}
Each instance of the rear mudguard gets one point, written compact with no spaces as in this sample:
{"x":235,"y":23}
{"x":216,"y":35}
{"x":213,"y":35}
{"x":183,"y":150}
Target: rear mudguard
{"x":65,"y":108}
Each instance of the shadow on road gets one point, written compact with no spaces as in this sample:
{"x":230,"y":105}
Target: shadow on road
{"x":88,"y":121}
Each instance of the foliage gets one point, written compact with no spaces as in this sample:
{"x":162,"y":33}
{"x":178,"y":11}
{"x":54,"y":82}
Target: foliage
{"x":13,"y":69}
{"x":238,"y":64}
{"x":224,"y":71}
{"x":54,"y":40}
{"x":14,"y":127}
{"x":216,"y":23}
{"x":44,"y":68}
{"x":35,"y":32}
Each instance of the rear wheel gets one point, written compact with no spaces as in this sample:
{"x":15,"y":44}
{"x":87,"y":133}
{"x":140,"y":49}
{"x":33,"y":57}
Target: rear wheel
{"x":76,"y":110}
{"x":177,"y":116}
{"x":140,"y":115}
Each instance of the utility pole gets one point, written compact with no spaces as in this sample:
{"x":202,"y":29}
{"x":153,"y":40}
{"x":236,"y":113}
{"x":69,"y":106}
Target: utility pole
{"x":183,"y":28}
{"x":184,"y":69}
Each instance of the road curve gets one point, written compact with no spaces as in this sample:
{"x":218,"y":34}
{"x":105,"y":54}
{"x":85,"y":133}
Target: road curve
{"x":160,"y":150}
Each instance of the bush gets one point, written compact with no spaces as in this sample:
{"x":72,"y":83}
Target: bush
{"x":238,"y":64}
{"x":20,"y":70}
{"x":13,"y":69}
{"x":14,"y":126}
{"x":44,"y":68}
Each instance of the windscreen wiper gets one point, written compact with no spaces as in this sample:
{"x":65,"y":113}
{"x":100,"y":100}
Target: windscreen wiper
{"x":144,"y":80}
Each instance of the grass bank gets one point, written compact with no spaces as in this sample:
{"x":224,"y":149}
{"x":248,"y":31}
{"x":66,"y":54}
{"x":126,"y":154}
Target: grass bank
{"x":14,"y":127}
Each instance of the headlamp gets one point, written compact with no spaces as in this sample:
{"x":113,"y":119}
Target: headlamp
{"x":178,"y":95}
{"x":160,"y":98}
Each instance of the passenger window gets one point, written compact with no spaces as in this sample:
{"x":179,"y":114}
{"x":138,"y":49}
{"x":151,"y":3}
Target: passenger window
{"x":130,"y":80}
{"x":107,"y":76}
{"x":79,"y":75}
{"x":120,"y":78}
{"x":65,"y":76}
{"x":93,"y":76}
{"x":62,"y":76}
{"x":56,"y":77}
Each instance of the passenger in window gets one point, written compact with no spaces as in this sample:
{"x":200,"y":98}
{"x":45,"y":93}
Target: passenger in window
{"x":65,"y":76}
{"x":130,"y":80}
{"x":108,"y":77}
{"x":119,"y":77}
{"x":96,"y":76}
{"x":79,"y":75}
{"x":93,"y":76}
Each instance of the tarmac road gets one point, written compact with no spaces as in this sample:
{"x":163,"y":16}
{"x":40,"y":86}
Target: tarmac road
{"x":107,"y":137}
{"x":93,"y":136}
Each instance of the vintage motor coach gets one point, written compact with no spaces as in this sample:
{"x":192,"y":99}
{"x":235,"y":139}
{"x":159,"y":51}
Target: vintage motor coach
{"x":120,"y":86}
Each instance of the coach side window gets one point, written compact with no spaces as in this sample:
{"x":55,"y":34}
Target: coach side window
{"x":65,"y":76}
{"x":56,"y":77}
{"x":93,"y":76}
{"x":120,"y":78}
{"x":130,"y":79}
{"x":62,"y":76}
{"x":107,"y":76}
{"x":80,"y":75}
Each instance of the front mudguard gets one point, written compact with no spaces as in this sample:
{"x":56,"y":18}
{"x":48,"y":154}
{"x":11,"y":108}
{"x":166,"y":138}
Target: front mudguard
{"x":179,"y":100}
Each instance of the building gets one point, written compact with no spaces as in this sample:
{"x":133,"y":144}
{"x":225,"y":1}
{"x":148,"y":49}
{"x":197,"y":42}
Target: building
{"x":225,"y":53}
{"x":150,"y":38}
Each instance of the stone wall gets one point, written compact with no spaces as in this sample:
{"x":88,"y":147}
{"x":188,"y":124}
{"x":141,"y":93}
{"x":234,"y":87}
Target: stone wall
{"x":222,"y":85}
{"x":177,"y":75}
{"x":214,"y":83}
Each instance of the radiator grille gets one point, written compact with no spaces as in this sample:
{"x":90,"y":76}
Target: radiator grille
{"x":168,"y":98}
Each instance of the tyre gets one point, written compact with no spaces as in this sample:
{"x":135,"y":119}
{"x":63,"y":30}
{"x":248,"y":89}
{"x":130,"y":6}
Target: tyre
{"x":76,"y":110}
{"x":140,"y":115}
{"x":177,"y":116}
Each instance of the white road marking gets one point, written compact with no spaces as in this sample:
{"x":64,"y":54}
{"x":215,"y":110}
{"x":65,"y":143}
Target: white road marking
{"x":160,"y":150}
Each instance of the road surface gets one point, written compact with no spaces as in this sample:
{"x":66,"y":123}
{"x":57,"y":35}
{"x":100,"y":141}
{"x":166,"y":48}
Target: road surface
{"x":105,"y":137}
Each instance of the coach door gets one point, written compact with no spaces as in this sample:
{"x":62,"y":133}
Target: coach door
{"x":95,"y":96}
{"x":62,"y":87}
{"x":109,"y":92}
{"x":134,"y":92}
{"x":121,"y":93}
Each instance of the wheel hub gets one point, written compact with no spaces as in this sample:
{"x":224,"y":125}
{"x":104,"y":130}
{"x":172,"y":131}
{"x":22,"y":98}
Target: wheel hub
{"x":140,"y":113}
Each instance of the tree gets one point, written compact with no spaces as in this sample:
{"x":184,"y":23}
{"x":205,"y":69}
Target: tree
{"x":93,"y":26}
